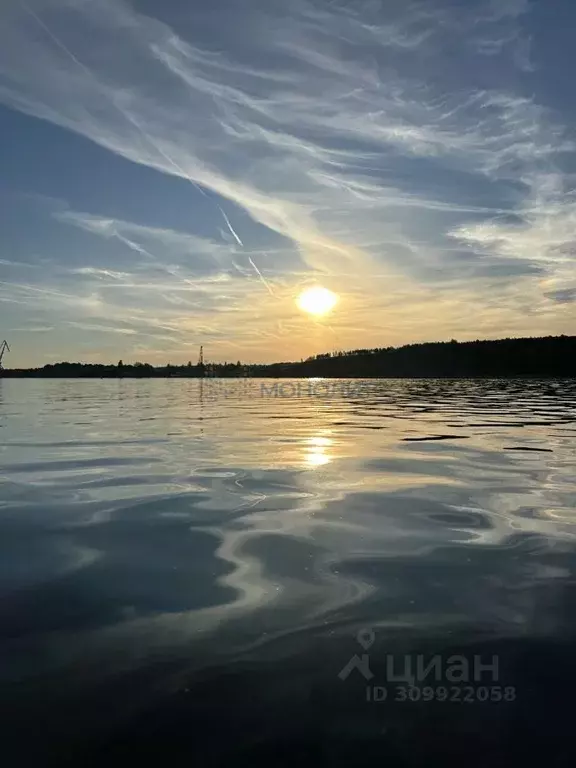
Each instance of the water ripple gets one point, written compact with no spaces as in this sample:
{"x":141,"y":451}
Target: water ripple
{"x":189,"y":521}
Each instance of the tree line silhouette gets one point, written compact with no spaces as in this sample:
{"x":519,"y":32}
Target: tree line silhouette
{"x":535,"y":356}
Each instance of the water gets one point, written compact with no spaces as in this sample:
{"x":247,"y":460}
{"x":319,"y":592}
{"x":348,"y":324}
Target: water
{"x":187,"y":566}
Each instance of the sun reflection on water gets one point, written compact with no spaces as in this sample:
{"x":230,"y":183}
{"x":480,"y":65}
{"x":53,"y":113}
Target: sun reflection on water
{"x":316,"y":452}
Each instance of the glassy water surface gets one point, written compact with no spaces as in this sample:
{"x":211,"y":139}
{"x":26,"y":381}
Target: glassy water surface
{"x":235,"y":570}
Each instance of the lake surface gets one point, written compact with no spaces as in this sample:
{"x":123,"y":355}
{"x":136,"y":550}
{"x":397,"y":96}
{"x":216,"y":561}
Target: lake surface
{"x":257,"y":572}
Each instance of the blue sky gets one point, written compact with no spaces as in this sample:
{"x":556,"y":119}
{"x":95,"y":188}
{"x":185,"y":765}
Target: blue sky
{"x":175,"y":173}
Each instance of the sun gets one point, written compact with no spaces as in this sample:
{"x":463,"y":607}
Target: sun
{"x":317,"y":300}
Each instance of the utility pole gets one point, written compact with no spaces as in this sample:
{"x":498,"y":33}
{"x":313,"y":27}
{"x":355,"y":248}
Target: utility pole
{"x":3,"y":348}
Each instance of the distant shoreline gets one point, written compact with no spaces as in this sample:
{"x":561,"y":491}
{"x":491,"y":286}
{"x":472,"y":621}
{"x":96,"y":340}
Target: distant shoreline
{"x":532,"y":357}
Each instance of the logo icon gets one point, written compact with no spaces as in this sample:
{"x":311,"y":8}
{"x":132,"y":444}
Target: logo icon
{"x":365,"y":638}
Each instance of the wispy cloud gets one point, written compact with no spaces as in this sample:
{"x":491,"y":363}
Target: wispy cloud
{"x":159,"y":247}
{"x":348,"y":130}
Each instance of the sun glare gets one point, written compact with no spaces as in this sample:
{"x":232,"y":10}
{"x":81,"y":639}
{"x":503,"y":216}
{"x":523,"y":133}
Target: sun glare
{"x":317,"y":300}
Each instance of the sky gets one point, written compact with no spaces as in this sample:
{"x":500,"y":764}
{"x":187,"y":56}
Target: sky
{"x":174,"y":174}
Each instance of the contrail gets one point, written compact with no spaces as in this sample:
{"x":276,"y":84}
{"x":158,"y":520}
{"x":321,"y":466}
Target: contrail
{"x":56,"y":40}
{"x":139,"y":128}
{"x":126,"y":116}
{"x":132,"y":120}
{"x":236,"y":237}
{"x":261,"y":276}
{"x":135,"y":247}
{"x":230,"y":227}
